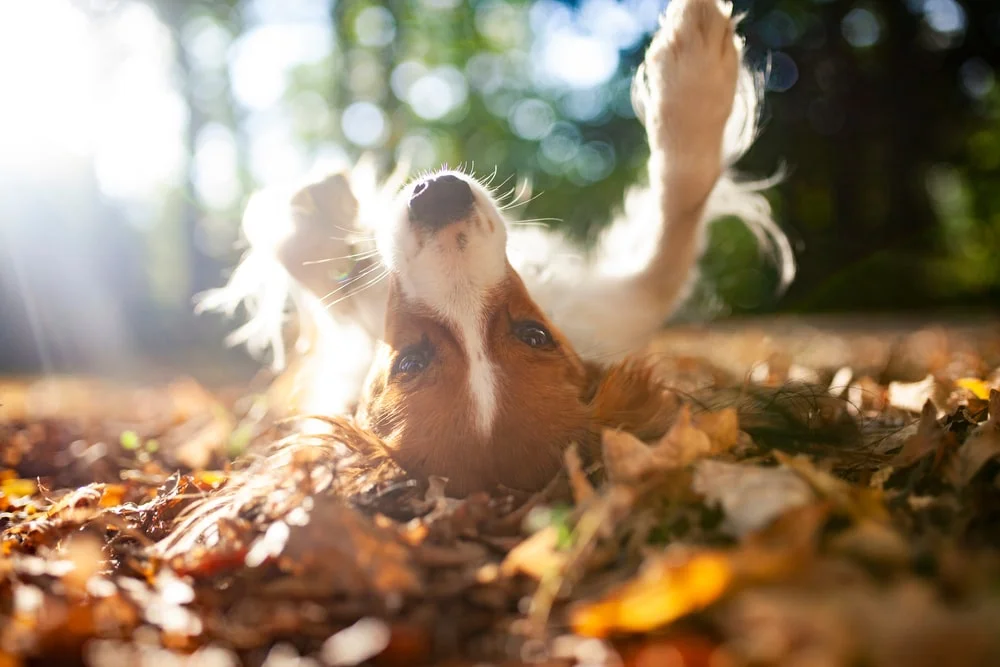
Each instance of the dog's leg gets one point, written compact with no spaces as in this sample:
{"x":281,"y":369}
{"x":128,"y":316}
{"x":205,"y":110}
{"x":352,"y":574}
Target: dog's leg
{"x":691,"y":71}
{"x":646,"y":260}
{"x":301,"y":252}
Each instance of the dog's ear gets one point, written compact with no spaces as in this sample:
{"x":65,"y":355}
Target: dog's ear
{"x":627,"y":396}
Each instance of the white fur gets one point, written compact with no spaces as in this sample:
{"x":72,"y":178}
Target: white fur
{"x":700,"y":110}
{"x":454,"y":283}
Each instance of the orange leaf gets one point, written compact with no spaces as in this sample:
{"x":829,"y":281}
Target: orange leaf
{"x":721,"y":427}
{"x":663,"y":592}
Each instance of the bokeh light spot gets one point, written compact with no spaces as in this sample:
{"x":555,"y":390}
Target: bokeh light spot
{"x":375,"y":26}
{"x":437,"y":93}
{"x":531,"y":119}
{"x":784,"y":72}
{"x":364,"y":124}
{"x":977,"y":78}
{"x":861,"y":28}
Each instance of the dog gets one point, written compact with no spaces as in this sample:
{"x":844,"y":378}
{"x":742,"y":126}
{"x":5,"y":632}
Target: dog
{"x":471,"y":348}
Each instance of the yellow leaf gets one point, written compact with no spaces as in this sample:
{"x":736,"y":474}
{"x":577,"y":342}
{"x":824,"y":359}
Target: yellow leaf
{"x":18,"y":487}
{"x":979,"y":388}
{"x":663,"y":592}
{"x":536,"y":556}
{"x":212,"y":478}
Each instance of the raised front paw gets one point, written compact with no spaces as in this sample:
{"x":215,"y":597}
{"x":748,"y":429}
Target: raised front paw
{"x":691,"y":68}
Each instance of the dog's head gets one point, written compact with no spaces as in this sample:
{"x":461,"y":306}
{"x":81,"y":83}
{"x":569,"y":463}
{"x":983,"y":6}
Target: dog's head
{"x":472,"y":382}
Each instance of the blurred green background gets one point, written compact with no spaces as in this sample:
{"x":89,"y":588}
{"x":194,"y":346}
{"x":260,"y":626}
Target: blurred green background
{"x":131,"y":134}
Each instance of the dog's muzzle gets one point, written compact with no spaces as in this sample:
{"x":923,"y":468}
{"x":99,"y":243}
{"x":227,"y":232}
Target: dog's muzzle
{"x":437,"y":202}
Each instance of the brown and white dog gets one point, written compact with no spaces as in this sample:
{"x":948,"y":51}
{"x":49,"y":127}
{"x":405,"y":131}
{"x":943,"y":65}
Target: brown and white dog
{"x":473,"y":349}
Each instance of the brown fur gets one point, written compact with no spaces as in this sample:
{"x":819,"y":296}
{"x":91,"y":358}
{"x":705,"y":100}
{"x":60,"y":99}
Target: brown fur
{"x":548,"y":399}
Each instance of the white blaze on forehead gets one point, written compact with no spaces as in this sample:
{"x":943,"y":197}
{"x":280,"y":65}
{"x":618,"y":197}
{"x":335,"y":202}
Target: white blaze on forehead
{"x":455,"y":283}
{"x":470,"y":330}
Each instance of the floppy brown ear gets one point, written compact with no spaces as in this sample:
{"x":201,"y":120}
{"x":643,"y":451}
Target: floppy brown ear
{"x":628,"y":397}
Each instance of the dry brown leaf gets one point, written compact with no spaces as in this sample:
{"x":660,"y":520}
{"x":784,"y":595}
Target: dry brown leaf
{"x":930,"y":438}
{"x":857,"y":502}
{"x":722,"y":428}
{"x":750,"y":496}
{"x":982,"y":445}
{"x":874,"y":542}
{"x":582,"y":489}
{"x":684,"y":442}
{"x":626,"y":458}
{"x":664,"y":591}
{"x":780,"y":548}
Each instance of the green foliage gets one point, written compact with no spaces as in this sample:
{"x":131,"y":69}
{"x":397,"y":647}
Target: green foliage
{"x":886,"y":114}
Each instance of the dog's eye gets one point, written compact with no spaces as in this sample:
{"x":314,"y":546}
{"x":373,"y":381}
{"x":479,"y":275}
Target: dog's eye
{"x":412,"y":361}
{"x":533,"y":334}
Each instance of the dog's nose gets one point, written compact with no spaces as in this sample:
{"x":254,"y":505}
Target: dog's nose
{"x":437,"y":202}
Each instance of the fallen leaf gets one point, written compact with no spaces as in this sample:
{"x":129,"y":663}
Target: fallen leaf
{"x":685,"y":442}
{"x":783,"y":546}
{"x":17,"y":488}
{"x":982,"y":445}
{"x":357,"y":643}
{"x":537,"y":556}
{"x":582,"y":489}
{"x":722,"y":428}
{"x":930,"y":438}
{"x":210,"y":479}
{"x":857,"y":502}
{"x":874,"y":542}
{"x":912,"y":396}
{"x":626,"y":457}
{"x":664,"y":591}
{"x":750,"y":496}
{"x":979,"y":388}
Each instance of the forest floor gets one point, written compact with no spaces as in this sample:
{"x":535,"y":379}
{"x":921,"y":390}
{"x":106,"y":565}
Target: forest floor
{"x":829,"y":495}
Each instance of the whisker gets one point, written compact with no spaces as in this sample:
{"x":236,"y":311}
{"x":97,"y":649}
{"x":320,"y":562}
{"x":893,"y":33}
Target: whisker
{"x":360,"y":255}
{"x":370,"y":283}
{"x":366,"y":272}
{"x":487,"y":181}
{"x":516,"y":203}
{"x":533,"y":221}
{"x":493,"y":191}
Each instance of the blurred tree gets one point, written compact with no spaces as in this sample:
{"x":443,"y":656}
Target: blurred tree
{"x":884,"y":113}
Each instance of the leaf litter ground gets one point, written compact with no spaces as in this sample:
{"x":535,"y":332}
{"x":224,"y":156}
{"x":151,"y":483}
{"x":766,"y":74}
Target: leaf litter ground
{"x":824,"y":497}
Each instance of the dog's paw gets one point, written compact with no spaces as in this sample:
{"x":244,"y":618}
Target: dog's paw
{"x":691,"y":70}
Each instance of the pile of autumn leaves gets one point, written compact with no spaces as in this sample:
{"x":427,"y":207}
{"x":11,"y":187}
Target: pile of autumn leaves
{"x":797,"y":563}
{"x":707,"y":546}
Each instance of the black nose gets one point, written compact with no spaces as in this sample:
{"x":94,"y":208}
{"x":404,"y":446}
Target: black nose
{"x":439,"y":201}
